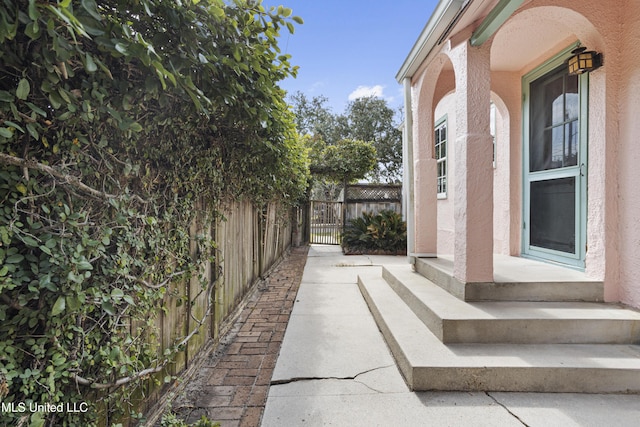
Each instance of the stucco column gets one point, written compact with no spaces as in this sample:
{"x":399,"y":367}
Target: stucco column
{"x":426,"y":209}
{"x":425,"y":191}
{"x":473,"y":179}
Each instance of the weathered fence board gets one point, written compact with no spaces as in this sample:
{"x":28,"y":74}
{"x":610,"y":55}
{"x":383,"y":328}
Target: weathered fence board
{"x":249,"y":242}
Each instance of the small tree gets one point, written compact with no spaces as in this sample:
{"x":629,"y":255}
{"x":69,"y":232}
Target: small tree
{"x":348,"y":160}
{"x":334,"y":166}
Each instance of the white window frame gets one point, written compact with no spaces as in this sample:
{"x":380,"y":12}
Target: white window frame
{"x":440,"y":154}
{"x":492,"y":128}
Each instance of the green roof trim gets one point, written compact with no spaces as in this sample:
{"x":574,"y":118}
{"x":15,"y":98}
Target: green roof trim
{"x":494,"y":20}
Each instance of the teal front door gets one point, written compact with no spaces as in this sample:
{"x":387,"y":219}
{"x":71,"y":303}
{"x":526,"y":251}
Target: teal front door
{"x":555,"y":165}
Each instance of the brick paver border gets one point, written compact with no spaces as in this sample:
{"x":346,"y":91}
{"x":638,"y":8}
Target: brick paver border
{"x":232,"y":384}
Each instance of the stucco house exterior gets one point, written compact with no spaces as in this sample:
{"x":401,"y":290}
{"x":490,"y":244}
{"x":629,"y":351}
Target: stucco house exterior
{"x":526,"y":160}
{"x":522,"y":197}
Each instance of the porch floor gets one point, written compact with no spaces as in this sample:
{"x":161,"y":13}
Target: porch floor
{"x":515,"y":279}
{"x":512,"y":269}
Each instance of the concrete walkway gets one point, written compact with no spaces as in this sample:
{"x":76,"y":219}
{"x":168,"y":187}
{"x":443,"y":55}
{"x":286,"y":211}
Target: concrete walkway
{"x":334,"y":368}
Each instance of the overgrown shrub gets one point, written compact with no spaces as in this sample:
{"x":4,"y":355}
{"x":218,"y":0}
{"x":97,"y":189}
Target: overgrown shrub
{"x":384,"y":232}
{"x":121,"y":124}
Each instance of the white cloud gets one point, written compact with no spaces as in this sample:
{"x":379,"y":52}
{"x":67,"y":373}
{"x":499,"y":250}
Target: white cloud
{"x":317,"y":86}
{"x":363,"y":91}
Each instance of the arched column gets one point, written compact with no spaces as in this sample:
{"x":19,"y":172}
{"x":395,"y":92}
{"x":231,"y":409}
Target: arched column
{"x":425,"y":165}
{"x":473,"y":180}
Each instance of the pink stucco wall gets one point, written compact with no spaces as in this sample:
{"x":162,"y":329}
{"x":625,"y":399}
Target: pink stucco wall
{"x":446,"y":224}
{"x":502,"y":180}
{"x":536,"y":32}
{"x":628,"y":165}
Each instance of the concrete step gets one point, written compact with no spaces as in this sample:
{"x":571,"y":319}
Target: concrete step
{"x":455,"y":321}
{"x":515,"y":279}
{"x":429,"y":364}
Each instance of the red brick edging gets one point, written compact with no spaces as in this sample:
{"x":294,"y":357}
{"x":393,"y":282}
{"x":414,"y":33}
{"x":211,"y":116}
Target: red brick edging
{"x":233,"y":382}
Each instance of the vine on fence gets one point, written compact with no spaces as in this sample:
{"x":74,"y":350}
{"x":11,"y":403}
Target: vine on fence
{"x":121,"y":123}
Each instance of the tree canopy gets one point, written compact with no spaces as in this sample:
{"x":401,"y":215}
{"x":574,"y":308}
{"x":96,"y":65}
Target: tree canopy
{"x":345,"y":161}
{"x":367,"y":119}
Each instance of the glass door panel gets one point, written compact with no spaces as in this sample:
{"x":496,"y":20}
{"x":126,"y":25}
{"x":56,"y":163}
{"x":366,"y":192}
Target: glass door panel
{"x":555,"y":104}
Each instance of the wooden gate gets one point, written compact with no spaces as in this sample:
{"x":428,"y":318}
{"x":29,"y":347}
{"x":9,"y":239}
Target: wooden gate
{"x":326,"y":222}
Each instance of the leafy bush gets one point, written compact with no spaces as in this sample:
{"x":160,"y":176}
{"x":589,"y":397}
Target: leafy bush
{"x":171,"y":420}
{"x":384,"y":232}
{"x":123,"y":124}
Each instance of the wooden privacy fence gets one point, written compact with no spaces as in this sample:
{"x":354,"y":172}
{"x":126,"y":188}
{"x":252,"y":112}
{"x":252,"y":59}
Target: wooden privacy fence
{"x":249,"y":242}
{"x":371,"y":198}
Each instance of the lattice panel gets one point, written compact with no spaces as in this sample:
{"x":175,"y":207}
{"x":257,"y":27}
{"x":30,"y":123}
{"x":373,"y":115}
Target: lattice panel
{"x":374,"y":192}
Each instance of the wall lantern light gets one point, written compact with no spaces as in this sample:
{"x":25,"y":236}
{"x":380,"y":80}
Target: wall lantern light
{"x":582,"y":61}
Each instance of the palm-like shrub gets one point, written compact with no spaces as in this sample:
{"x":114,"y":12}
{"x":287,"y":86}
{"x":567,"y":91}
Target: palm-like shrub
{"x":384,"y":232}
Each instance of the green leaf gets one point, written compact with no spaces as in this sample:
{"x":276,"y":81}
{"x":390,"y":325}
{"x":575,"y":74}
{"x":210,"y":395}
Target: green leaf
{"x":59,"y":306}
{"x":286,"y":12}
{"x":14,"y":259}
{"x":91,"y":7}
{"x":90,"y":66}
{"x":23,"y":89}
{"x":37,"y":109}
{"x":30,"y":241}
{"x":6,"y":132}
{"x":13,"y":125}
{"x":108,"y":308}
{"x":5,"y":96}
{"x":117,"y":293}
{"x":122,"y":48}
{"x":37,"y":420}
{"x":84,"y":265}
{"x":33,"y":10}
{"x":32,"y":30}
{"x":74,"y":303}
{"x":31,"y":127}
{"x":291,"y":28}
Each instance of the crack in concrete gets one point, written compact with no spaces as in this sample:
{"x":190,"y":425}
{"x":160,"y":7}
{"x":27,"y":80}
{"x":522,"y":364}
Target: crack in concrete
{"x":506,"y":409}
{"x":352,"y":378}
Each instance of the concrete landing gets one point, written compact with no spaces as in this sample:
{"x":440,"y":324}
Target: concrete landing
{"x":515,"y":279}
{"x":335,"y":369}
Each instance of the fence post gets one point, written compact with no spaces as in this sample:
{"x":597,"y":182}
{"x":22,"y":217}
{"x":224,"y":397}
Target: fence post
{"x":345,"y":205}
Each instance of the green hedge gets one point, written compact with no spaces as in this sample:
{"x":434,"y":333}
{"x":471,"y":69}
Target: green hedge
{"x":120,"y":123}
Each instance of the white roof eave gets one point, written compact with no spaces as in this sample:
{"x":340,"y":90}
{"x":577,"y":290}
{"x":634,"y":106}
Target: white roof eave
{"x":444,"y":16}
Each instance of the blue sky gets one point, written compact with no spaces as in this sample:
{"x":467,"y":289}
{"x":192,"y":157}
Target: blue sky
{"x":350,"y":48}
